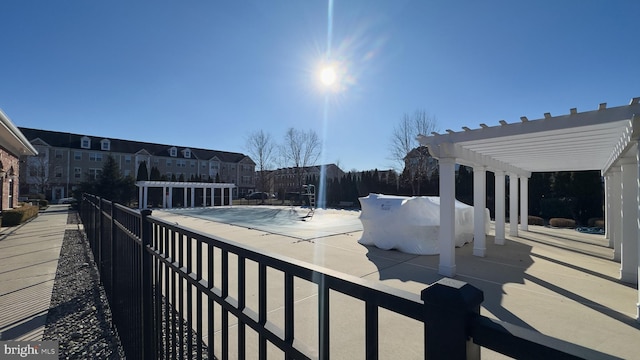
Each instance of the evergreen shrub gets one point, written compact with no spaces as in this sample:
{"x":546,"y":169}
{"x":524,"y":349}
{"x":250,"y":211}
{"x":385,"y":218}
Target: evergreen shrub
{"x":562,"y":223}
{"x":17,"y":216}
{"x":536,"y":220}
{"x":596,"y":222}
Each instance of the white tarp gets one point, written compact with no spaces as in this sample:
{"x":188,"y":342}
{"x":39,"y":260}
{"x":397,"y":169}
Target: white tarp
{"x":411,"y":224}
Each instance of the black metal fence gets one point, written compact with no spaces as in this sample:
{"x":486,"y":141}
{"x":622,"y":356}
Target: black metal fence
{"x":178,"y":293}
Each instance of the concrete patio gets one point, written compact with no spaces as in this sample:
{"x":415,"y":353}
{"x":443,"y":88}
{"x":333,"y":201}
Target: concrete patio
{"x":559,"y":282}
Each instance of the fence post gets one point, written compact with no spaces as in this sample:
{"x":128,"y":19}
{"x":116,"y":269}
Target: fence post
{"x":449,"y":306}
{"x":148,"y":346}
{"x":99,"y":226}
{"x":112,"y":251}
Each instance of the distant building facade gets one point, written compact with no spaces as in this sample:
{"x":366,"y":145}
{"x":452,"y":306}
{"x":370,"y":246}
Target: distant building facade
{"x":13,"y":145}
{"x":287,"y":179}
{"x":65,"y":160}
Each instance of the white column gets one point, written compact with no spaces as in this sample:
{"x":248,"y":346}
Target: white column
{"x":204,"y":197}
{"x":500,"y":207}
{"x":637,"y":238}
{"x":629,"y":255}
{"x":446,"y":237}
{"x":193,"y":196}
{"x":524,"y":203}
{"x":607,"y":209}
{"x":164,"y":197}
{"x":615,"y":231}
{"x":140,"y":197}
{"x":230,"y":196}
{"x":479,"y":205}
{"x":170,"y":199}
{"x":184,"y":197}
{"x":513,"y":204}
{"x":145,"y":197}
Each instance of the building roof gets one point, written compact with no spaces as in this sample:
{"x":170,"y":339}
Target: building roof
{"x":73,"y":141}
{"x":591,"y":140}
{"x":12,"y":139}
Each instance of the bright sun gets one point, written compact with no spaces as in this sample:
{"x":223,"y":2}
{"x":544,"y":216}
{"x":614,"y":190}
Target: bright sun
{"x":328,"y":76}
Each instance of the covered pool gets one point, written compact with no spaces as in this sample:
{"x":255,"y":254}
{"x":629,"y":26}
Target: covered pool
{"x":296,"y":222}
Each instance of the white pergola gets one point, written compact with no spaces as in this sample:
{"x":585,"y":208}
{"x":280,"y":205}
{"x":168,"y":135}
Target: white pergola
{"x":605,"y":139}
{"x":167,"y":192}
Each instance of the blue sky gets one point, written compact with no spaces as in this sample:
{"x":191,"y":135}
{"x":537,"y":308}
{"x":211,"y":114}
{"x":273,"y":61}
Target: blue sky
{"x":205,"y":74}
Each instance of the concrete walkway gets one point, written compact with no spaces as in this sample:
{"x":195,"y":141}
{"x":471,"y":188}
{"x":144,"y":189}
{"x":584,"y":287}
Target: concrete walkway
{"x":28,"y":261}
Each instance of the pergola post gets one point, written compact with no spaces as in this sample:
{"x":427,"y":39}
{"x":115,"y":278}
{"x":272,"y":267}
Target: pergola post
{"x":513,"y":204}
{"x":607,"y":209}
{"x":500,"y":207}
{"x":637,"y":238}
{"x":141,"y":203}
{"x":164,"y":197}
{"x":615,"y":230}
{"x":629,"y":255}
{"x":184,"y":197}
{"x":479,"y":205}
{"x":446,"y":237}
{"x":524,"y":203}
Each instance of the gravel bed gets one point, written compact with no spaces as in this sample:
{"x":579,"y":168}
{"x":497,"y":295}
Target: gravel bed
{"x":80,"y":318}
{"x":79,"y":315}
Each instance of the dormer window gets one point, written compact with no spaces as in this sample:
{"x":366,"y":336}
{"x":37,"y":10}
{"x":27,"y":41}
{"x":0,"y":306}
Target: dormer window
{"x":173,"y":152}
{"x":187,"y":153}
{"x":85,"y":142}
{"x":105,"y":145}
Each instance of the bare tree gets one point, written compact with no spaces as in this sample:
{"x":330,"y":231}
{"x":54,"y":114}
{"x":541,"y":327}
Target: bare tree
{"x":260,"y":147}
{"x":404,"y":141}
{"x":299,"y":151}
{"x":38,"y":171}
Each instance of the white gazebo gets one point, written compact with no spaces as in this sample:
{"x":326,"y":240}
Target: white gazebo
{"x":187,"y":187}
{"x":605,"y":139}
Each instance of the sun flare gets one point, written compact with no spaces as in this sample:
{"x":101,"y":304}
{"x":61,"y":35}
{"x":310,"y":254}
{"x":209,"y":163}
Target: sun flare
{"x":328,"y":76}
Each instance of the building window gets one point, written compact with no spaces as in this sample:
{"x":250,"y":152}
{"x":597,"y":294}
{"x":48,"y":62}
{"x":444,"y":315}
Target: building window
{"x":246,"y":179}
{"x":58,"y":154}
{"x":95,"y":157}
{"x":77,"y":172}
{"x":187,"y":153}
{"x":193,"y":164}
{"x":58,"y":172}
{"x":94,"y":174}
{"x":173,"y":152}
{"x":127,"y":159}
{"x":77,"y":155}
{"x":85,"y":142}
{"x":181,"y":163}
{"x":169,"y":162}
{"x":127,"y":172}
{"x":105,"y":145}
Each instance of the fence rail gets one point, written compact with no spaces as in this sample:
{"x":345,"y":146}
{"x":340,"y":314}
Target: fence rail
{"x":179,"y":293}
